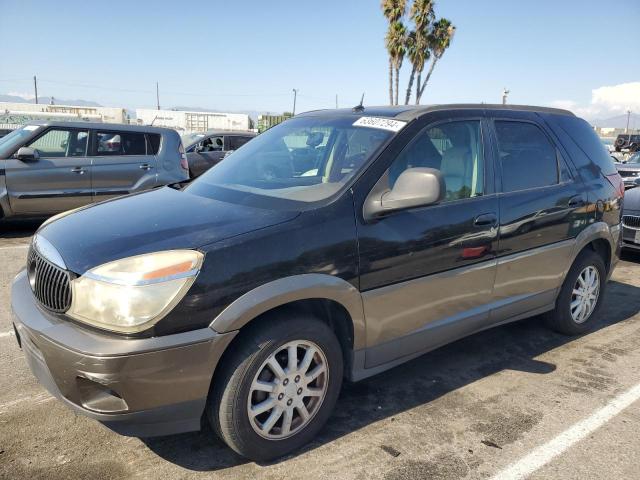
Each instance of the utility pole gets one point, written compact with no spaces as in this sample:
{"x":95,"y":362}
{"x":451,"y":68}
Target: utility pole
{"x":295,"y":94}
{"x":505,"y":94}
{"x":157,"y":96}
{"x":628,"y":117}
{"x":35,"y":87}
{"x":336,"y":101}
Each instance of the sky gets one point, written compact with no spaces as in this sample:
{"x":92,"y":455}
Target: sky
{"x":250,"y":55}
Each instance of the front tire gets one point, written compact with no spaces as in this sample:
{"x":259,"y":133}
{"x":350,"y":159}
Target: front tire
{"x":581,"y":295}
{"x":278,"y":386}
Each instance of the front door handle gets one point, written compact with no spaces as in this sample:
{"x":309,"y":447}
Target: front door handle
{"x":576,"y":201}
{"x":145,"y":166}
{"x":78,"y":170}
{"x":486,"y":219}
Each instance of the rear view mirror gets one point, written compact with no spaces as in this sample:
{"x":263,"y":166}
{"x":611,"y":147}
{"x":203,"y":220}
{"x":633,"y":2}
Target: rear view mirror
{"x":27,"y":154}
{"x":415,"y":187}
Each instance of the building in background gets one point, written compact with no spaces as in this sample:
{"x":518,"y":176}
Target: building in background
{"x":189,"y":121}
{"x":265,"y":122}
{"x":14,"y":115}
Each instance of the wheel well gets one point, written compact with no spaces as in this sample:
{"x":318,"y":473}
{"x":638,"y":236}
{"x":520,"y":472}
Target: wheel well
{"x":330,"y":312}
{"x":602,"y":248}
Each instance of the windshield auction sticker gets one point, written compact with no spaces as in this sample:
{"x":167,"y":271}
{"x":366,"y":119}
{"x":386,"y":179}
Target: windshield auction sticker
{"x":381,"y":123}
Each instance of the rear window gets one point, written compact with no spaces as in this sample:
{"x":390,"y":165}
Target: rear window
{"x":234,"y":143}
{"x":585,"y":138}
{"x":120,"y":143}
{"x":153,"y":146}
{"x":527,"y":157}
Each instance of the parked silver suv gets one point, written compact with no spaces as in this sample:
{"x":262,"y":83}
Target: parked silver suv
{"x":50,"y":167}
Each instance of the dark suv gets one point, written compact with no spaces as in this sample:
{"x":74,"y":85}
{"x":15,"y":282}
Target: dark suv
{"x":51,"y":167}
{"x":627,"y":141}
{"x":247,"y":296}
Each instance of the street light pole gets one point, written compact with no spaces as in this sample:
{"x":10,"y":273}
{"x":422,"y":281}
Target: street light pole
{"x":628,"y":117}
{"x":295,"y":94}
{"x":157,"y":96}
{"x":505,"y":93}
{"x":35,"y":87}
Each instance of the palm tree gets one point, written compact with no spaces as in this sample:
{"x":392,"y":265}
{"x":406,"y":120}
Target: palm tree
{"x":393,"y":10}
{"x":397,"y":40}
{"x":439,"y":40}
{"x":417,"y":41}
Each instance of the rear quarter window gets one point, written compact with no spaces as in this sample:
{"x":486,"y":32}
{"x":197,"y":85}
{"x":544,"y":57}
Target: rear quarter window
{"x":153,"y":143}
{"x":586,"y":140}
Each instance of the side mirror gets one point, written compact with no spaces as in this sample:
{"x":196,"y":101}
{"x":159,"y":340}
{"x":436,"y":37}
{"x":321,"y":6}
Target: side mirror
{"x":27,"y":154}
{"x":415,"y":187}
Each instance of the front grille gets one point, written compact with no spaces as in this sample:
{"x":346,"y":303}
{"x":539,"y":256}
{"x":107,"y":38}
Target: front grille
{"x":51,"y":284}
{"x":631,"y":221}
{"x":628,"y":173}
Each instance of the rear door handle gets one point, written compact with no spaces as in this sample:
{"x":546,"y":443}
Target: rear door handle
{"x":145,"y":166}
{"x":486,"y":219}
{"x":79,"y":170}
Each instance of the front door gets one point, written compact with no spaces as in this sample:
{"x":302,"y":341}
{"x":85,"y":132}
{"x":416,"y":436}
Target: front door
{"x":59,"y":180}
{"x":426,"y":274}
{"x":121,"y":164}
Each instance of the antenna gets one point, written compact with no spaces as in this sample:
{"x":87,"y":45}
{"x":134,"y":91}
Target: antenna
{"x":360,"y":107}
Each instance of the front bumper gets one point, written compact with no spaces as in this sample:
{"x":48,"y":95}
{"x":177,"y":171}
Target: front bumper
{"x":629,"y":238}
{"x":138,"y":387}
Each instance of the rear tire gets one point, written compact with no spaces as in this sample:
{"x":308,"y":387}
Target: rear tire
{"x":299,"y":407}
{"x":581,"y":295}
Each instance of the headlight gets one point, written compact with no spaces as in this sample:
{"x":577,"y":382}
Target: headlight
{"x":132,"y":294}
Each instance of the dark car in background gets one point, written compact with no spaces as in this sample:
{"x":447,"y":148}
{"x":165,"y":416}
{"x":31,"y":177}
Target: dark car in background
{"x":630,"y":171}
{"x":50,"y":167}
{"x":631,"y":220}
{"x":247,"y":296}
{"x":204,"y":150}
{"x":625,"y":140}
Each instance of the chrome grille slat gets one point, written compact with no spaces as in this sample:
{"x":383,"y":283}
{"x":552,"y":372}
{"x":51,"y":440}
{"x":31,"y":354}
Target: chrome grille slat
{"x":50,"y":283}
{"x":631,"y":221}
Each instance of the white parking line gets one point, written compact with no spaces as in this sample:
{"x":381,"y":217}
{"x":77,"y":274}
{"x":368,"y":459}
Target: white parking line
{"x":7,"y":334}
{"x":14,"y":247}
{"x":545,"y":453}
{"x":37,"y":399}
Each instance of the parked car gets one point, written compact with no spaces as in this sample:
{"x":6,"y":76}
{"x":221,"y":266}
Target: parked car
{"x":50,"y":167}
{"x":625,"y":140}
{"x":245,"y":297}
{"x":630,"y":170}
{"x":204,"y":150}
{"x":631,"y":220}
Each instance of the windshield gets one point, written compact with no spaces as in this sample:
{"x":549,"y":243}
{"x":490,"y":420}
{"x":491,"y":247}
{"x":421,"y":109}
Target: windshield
{"x":635,"y":158}
{"x":305,"y":159}
{"x":15,"y":138}
{"x":191,"y":138}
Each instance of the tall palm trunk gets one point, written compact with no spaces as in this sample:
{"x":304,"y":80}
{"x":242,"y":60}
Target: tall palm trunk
{"x":408,"y":96}
{"x":426,"y":80}
{"x":418,"y":88}
{"x":397,"y":86}
{"x":390,"y":81}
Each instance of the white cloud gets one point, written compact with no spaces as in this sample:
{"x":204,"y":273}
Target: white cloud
{"x":607,"y":101}
{"x":26,"y":96}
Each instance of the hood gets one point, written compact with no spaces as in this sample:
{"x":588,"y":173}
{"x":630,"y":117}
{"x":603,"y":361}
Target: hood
{"x":161,"y":219}
{"x":632,"y":201}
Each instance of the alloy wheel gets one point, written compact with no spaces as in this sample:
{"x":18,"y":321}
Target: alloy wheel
{"x":584,"y":296}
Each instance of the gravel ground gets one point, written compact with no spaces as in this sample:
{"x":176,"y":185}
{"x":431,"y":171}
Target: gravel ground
{"x":467,"y":410}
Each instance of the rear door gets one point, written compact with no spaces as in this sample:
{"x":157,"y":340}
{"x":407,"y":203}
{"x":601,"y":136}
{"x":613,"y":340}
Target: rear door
{"x":59,"y":180}
{"x":542,"y":208}
{"x":122,"y":163}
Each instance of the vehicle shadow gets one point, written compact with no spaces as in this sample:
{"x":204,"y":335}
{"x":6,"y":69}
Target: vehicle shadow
{"x":15,"y":230}
{"x":418,"y":382}
{"x":631,"y":256}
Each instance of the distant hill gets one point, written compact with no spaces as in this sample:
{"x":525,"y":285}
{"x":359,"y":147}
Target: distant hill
{"x":47,"y":101}
{"x":619,"y":121}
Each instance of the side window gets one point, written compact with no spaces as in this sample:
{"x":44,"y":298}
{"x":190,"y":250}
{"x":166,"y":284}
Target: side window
{"x":60,"y":142}
{"x":212,"y":144}
{"x":527,"y":157}
{"x":235,"y":142}
{"x":454,"y":148}
{"x":153,"y":143}
{"x":120,"y":143}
